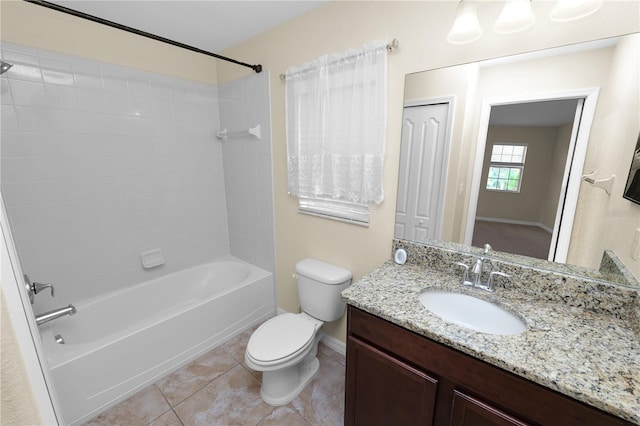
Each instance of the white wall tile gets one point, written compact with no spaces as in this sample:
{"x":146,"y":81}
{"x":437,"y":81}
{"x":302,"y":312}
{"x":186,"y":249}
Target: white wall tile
{"x":18,"y":194}
{"x":118,"y":161}
{"x":11,"y":144}
{"x":8,"y":118}
{"x":14,"y":169}
{"x":43,"y":168}
{"x":247,"y":170}
{"x":53,"y":76}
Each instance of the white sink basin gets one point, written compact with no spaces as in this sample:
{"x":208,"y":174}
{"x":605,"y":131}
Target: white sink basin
{"x":473,"y":313}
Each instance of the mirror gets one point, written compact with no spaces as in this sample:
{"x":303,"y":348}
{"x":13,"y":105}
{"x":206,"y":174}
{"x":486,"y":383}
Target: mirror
{"x":523,"y":153}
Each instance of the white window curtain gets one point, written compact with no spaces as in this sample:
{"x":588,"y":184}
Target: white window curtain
{"x":336,"y":111}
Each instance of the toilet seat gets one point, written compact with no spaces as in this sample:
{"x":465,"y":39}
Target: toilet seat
{"x":281,"y":338}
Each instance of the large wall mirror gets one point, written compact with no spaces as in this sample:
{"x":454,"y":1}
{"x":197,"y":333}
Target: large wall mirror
{"x":529,"y":153}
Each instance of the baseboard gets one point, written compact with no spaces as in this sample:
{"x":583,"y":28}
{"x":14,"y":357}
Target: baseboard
{"x":333,"y":343}
{"x":514,"y":222}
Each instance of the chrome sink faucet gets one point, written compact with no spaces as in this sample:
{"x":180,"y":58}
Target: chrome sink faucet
{"x":479,"y":268}
{"x":477,"y":271}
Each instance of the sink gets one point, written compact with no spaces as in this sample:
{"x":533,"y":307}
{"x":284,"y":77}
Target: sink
{"x":471,"y":312}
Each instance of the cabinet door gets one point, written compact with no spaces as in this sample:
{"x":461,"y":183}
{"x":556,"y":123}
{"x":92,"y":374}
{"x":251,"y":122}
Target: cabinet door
{"x":468,"y":411}
{"x":382,"y":390}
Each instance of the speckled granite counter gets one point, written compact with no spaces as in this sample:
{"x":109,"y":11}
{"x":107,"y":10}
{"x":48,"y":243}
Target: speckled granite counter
{"x":586,"y":350}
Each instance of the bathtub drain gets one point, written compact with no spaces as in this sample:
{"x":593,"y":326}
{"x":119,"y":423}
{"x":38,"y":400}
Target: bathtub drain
{"x":59,"y":339}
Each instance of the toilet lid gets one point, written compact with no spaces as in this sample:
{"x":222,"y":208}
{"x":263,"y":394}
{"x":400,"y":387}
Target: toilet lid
{"x":280,"y":337}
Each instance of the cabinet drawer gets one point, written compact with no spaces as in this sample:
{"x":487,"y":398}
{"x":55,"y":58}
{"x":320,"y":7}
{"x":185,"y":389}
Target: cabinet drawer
{"x":469,"y":411}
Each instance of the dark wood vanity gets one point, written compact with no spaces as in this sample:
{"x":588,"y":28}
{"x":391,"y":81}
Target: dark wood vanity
{"x":397,"y":377}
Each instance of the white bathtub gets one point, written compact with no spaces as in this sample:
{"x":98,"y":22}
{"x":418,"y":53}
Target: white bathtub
{"x":120,"y":343}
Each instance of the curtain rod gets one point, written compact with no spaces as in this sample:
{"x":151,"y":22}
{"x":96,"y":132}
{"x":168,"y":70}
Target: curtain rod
{"x":390,"y":48}
{"x":256,"y":68}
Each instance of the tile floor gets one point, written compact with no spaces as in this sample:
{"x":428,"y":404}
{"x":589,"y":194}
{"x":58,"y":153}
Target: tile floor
{"x":218,"y":389}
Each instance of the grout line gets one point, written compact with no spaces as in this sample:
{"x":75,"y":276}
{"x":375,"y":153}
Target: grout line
{"x":170,"y":408}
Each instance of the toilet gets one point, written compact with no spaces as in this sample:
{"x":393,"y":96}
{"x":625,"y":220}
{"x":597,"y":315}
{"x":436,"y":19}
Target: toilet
{"x":284,"y":348}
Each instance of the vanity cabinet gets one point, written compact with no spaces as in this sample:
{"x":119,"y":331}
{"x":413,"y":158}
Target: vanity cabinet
{"x":397,"y":377}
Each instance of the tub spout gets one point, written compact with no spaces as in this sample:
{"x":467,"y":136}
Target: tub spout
{"x":56,"y":313}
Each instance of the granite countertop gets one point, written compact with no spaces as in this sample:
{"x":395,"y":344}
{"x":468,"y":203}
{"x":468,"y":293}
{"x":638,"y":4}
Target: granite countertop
{"x":591,"y":356}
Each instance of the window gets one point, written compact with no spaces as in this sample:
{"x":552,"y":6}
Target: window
{"x":506,"y":166}
{"x":336,"y":126}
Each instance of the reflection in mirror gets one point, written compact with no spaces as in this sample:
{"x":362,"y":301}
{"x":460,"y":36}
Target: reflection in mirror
{"x":526,"y":164}
{"x":493,"y":152}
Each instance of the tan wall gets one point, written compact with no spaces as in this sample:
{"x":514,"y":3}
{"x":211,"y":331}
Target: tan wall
{"x":421,"y":28}
{"x":527,"y":204}
{"x":609,"y":222}
{"x":556,"y":173}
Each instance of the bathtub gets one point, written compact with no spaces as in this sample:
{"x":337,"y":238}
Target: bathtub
{"x":124,"y":341}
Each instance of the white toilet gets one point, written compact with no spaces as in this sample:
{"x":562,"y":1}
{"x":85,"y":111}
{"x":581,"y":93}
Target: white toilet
{"x":284,"y":348}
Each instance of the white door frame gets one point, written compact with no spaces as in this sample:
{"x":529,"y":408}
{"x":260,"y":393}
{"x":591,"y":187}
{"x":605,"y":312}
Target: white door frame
{"x":575,"y":162}
{"x":451,"y":101}
{"x":25,"y":327}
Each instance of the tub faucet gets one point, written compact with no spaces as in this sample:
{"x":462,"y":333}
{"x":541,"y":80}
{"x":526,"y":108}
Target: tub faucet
{"x":54,"y":314}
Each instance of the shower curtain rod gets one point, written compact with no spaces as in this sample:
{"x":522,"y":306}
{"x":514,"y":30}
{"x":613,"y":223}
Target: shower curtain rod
{"x":256,"y":68}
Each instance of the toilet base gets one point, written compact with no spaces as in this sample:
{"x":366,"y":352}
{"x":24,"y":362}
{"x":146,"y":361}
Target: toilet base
{"x":280,"y":387}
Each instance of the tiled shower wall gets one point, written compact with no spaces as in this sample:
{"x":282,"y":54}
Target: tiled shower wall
{"x":247,"y":169}
{"x":102,"y":162}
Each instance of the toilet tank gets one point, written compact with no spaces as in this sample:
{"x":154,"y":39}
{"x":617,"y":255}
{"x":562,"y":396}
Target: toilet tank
{"x":319,"y":288}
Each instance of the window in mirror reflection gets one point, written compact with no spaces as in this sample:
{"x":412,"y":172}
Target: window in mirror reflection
{"x":505,"y":170}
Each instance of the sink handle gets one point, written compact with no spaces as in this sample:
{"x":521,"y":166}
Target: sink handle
{"x":465,"y":273}
{"x":494,"y":273}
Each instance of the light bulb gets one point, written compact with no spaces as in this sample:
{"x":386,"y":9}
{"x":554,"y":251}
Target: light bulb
{"x":466,"y":27}
{"x":570,"y":10}
{"x":516,"y":16}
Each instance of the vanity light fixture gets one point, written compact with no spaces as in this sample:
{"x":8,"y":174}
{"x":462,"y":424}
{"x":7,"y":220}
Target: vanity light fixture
{"x":466,"y":28}
{"x":516,"y":15}
{"x":570,"y":10}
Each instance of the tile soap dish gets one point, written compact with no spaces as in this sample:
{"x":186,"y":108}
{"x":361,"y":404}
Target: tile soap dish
{"x":152,"y":258}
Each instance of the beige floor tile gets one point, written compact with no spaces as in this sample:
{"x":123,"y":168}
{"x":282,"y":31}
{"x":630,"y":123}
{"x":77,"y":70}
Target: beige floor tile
{"x":167,"y":419}
{"x":336,"y":356}
{"x":321,"y":403}
{"x":231,"y":399}
{"x":285,"y":415}
{"x":186,"y":381}
{"x":140,"y":409}
{"x":216,"y":390}
{"x":238,"y":345}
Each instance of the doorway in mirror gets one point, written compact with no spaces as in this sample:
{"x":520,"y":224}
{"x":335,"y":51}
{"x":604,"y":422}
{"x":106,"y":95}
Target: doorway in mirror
{"x":528,"y":150}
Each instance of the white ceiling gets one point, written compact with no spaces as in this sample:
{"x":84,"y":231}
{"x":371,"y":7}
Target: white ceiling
{"x":546,"y":113}
{"x":211,"y":25}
